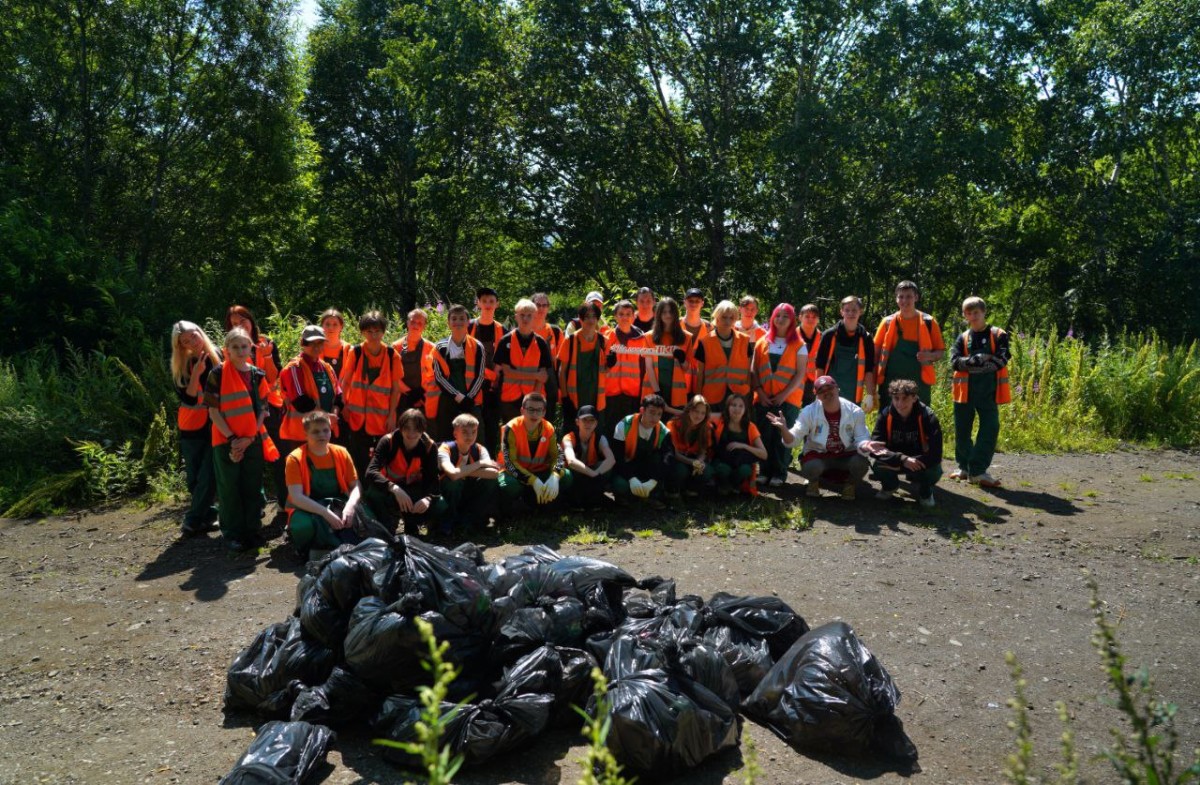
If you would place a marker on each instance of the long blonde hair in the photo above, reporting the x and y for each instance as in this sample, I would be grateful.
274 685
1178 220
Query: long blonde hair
180 357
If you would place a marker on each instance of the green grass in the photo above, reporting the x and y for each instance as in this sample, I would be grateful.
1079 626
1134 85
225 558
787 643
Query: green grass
1090 494
1146 478
1178 476
586 535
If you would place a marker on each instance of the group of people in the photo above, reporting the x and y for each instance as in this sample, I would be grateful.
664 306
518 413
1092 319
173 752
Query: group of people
658 405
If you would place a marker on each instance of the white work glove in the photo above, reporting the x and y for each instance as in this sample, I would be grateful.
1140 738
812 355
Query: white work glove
648 486
868 402
551 486
635 485
539 490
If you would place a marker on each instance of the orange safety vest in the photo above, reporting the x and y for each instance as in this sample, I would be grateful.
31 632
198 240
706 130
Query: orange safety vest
920 429
631 435
678 430
751 486
592 459
675 390
342 466
263 358
433 392
535 462
193 416
725 376
292 427
400 470
367 403
625 378
490 374
814 346
773 382
891 333
861 371
959 386
571 389
553 336
425 348
700 333
522 380
237 408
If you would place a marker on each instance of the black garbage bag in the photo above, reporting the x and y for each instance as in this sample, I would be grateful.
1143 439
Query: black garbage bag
560 671
342 581
282 753
343 700
478 731
448 583
769 618
537 581
267 675
828 693
663 622
383 647
556 621
469 550
702 663
748 656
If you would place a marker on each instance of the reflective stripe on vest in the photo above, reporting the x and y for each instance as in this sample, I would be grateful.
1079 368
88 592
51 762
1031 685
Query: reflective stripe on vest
535 462
677 394
775 381
236 406
625 378
522 379
292 427
433 392
959 387
729 374
368 403
264 359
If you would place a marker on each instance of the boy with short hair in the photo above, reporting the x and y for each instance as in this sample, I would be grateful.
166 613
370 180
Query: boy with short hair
372 378
524 360
488 332
320 477
908 343
693 322
747 315
847 353
458 375
530 459
810 333
590 459
582 375
907 438
623 382
470 478
643 449
979 359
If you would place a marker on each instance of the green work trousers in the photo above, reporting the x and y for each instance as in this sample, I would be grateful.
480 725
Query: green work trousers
975 456
925 479
239 491
512 489
779 457
201 481
469 501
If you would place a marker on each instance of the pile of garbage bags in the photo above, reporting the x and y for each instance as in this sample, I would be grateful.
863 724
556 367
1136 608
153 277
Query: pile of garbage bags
525 634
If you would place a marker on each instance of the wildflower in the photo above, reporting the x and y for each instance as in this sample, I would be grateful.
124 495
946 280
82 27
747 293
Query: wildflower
1071 332
441 307
1037 388
1019 390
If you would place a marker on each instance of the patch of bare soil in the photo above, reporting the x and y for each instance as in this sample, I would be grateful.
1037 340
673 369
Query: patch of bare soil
117 633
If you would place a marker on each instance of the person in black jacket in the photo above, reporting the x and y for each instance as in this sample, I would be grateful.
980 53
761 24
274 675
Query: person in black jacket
908 439
402 481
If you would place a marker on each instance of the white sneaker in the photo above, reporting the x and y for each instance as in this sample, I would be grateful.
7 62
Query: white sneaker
884 495
984 480
777 482
958 474
928 501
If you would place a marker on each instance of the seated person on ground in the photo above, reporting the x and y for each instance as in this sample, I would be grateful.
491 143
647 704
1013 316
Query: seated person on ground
907 438
834 431
531 463
738 448
644 455
469 477
589 458
693 435
320 476
402 477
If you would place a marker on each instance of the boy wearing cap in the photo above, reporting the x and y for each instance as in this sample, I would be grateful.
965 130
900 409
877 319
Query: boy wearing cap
642 445
307 384
907 438
470 478
834 433
488 332
980 361
693 322
590 459
908 343
531 463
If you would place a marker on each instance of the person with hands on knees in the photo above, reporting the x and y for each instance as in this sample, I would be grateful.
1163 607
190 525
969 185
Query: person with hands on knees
693 436
320 478
531 463
236 394
980 385
738 448
402 478
907 438
590 460
834 434
470 478
644 454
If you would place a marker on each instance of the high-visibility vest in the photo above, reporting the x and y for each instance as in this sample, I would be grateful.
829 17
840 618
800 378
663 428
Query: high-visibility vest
433 392
571 367
237 408
489 373
193 416
890 329
592 459
343 466
264 358
773 382
292 427
959 383
860 373
700 332
367 404
532 462
625 378
400 470
750 486
457 458
553 335
725 375
522 379
631 435
424 347
814 346
700 449
920 428
676 389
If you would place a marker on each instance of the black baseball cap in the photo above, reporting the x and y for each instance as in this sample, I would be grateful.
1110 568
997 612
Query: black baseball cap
694 292
586 411
483 290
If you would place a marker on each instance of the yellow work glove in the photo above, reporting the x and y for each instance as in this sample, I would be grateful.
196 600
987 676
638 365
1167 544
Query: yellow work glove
551 489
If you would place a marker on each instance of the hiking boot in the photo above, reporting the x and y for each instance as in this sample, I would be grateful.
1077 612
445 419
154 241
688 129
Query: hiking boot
814 490
777 482
884 495
927 501
984 480
849 491
958 474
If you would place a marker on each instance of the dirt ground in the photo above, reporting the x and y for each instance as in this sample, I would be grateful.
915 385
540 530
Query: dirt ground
118 633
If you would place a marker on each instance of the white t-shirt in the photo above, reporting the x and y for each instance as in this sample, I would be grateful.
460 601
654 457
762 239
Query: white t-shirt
779 346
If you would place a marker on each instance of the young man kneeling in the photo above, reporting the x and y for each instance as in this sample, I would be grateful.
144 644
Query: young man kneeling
589 459
319 479
644 448
531 463
907 438
469 477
